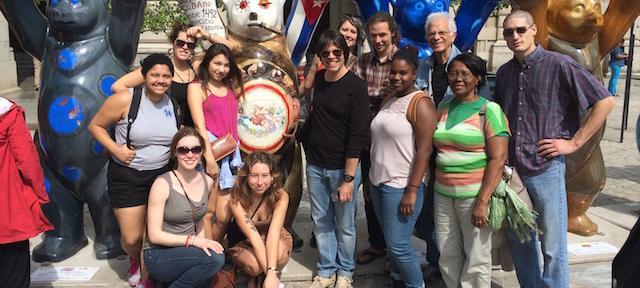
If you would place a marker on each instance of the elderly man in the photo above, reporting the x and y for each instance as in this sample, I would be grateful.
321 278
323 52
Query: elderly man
542 94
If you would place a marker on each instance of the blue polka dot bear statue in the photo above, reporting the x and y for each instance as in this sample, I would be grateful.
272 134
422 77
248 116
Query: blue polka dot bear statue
84 48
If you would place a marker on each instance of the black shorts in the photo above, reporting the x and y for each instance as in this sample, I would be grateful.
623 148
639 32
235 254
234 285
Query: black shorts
130 187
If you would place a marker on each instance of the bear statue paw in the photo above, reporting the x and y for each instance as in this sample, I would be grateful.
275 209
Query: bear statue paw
56 249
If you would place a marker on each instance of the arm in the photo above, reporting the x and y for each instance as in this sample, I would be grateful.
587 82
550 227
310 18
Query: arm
113 109
126 15
129 80
207 220
243 219
199 33
155 216
423 129
29 26
310 78
195 98
497 156
273 238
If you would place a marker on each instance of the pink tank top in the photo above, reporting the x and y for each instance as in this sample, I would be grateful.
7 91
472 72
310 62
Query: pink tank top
221 114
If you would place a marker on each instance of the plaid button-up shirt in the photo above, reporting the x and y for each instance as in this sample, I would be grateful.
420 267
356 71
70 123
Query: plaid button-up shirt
375 72
544 97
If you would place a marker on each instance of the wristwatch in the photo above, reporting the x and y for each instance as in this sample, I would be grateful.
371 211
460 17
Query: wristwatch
347 178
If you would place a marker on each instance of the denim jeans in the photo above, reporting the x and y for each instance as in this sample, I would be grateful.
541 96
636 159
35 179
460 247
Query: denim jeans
182 266
334 222
548 194
613 81
404 263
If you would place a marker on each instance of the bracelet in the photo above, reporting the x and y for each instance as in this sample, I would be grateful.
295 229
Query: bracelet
413 185
186 242
272 268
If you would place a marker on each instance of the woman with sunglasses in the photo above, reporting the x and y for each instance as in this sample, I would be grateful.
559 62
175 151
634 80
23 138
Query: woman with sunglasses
471 153
213 101
178 249
185 63
351 28
139 153
261 246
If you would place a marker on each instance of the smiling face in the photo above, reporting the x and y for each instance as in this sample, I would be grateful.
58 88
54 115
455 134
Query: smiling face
381 37
461 80
439 36
158 79
402 76
259 178
193 148
332 57
182 46
522 44
219 67
350 34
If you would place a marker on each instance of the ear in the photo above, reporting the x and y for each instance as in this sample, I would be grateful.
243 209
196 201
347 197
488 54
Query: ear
227 3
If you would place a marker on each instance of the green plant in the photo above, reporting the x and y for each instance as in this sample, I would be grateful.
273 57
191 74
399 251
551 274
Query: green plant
160 16
503 4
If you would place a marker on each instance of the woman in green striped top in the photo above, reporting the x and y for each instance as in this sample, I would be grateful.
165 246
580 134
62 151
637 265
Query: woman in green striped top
468 168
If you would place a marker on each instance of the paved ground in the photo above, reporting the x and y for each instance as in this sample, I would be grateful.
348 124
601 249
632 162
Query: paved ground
620 196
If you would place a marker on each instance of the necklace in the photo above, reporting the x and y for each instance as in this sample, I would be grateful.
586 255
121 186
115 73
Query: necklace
180 77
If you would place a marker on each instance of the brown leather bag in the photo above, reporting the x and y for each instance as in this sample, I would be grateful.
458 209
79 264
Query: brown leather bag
223 146
224 279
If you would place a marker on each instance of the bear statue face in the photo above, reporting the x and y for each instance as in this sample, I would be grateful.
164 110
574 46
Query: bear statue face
76 16
575 21
246 16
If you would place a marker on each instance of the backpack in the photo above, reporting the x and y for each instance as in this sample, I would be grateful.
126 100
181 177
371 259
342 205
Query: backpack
135 106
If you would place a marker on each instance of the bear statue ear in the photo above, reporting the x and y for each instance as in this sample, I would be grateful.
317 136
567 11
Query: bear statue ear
227 3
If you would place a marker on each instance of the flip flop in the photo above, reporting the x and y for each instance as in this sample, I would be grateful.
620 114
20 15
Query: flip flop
370 254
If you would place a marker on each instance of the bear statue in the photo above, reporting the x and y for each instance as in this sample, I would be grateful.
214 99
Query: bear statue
84 46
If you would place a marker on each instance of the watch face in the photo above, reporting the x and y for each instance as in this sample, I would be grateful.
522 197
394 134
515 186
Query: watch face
348 178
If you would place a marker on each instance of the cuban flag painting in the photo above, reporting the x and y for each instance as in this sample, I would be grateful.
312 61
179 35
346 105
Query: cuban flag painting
300 26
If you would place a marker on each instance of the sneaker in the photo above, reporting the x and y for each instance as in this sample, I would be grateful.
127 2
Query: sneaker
133 273
146 283
344 282
323 282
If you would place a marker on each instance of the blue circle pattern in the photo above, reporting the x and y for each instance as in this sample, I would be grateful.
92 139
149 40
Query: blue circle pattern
66 115
105 84
67 59
72 173
47 185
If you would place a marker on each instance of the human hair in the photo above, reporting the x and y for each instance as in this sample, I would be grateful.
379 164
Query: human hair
183 132
475 64
155 59
177 28
333 37
356 22
384 17
233 80
241 192
409 54
439 15
519 14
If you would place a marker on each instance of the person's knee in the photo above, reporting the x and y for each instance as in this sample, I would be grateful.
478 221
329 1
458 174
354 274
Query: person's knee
131 240
214 262
252 269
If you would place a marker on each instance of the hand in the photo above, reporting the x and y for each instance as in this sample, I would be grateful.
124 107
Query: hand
124 154
271 281
316 62
408 201
197 32
345 192
480 214
207 244
549 148
212 169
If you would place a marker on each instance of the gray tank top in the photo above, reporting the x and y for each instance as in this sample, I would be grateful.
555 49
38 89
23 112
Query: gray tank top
151 133
177 217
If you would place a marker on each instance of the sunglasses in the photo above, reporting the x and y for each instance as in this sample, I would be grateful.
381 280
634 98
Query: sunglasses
336 53
190 45
508 32
182 150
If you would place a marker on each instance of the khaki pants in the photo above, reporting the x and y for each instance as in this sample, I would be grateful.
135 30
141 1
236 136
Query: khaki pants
465 250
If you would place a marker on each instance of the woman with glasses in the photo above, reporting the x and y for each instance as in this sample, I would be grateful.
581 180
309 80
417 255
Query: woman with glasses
139 153
178 249
261 246
185 63
400 150
471 153
333 137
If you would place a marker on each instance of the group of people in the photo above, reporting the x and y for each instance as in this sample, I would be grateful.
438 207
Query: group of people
427 148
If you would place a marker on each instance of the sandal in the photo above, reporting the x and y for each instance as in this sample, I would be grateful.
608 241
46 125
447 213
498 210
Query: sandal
369 255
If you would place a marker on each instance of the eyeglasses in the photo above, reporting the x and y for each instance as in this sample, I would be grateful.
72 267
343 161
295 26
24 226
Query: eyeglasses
190 45
182 150
336 53
465 75
508 32
440 33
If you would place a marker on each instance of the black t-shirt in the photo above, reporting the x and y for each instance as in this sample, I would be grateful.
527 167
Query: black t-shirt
438 82
338 121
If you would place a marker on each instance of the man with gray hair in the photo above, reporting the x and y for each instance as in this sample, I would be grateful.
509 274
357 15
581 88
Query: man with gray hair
440 29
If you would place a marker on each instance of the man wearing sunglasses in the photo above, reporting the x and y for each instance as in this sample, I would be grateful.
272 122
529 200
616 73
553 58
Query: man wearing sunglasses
542 94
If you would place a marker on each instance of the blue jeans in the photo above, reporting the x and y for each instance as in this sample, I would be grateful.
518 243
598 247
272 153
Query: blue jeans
398 231
334 222
613 81
182 266
548 194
